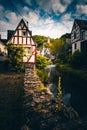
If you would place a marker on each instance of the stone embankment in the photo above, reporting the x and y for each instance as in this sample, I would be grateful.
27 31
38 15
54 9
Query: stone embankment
42 111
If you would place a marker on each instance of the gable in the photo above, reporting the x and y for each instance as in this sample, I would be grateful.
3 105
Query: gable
79 34
81 23
75 26
22 35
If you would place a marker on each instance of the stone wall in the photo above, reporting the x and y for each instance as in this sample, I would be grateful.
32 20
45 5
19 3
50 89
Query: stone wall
42 111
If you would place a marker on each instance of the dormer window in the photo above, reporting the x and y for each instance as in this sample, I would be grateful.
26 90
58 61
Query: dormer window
24 33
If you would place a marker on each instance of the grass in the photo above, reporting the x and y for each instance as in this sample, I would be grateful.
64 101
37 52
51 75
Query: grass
11 91
41 88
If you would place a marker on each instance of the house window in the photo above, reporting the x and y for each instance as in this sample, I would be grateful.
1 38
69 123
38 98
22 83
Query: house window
74 35
28 50
24 33
75 46
83 35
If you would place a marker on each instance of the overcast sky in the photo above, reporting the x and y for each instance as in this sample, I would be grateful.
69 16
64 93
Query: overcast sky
46 17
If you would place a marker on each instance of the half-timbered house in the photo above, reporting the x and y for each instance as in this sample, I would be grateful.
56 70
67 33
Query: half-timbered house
23 36
79 36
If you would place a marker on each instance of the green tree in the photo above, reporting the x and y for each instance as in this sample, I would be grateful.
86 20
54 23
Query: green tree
59 50
41 63
43 75
67 35
15 56
39 40
78 60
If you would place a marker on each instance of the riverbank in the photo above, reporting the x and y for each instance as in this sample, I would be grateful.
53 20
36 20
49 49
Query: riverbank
43 111
74 81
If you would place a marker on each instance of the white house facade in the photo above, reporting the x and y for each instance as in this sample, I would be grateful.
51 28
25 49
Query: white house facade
79 35
22 36
3 51
2 48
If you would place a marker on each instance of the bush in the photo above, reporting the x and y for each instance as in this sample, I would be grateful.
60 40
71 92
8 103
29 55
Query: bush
15 56
41 62
78 60
43 76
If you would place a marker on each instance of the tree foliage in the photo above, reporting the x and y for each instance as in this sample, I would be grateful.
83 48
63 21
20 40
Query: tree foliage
59 50
67 35
41 62
39 40
78 60
43 75
15 55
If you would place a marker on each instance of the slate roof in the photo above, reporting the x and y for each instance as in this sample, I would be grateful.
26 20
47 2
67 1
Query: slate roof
81 23
3 41
10 33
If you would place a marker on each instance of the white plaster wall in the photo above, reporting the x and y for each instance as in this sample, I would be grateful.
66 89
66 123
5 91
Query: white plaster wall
73 48
3 48
20 40
11 41
20 33
15 33
25 59
28 35
24 40
32 42
28 40
78 46
32 59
